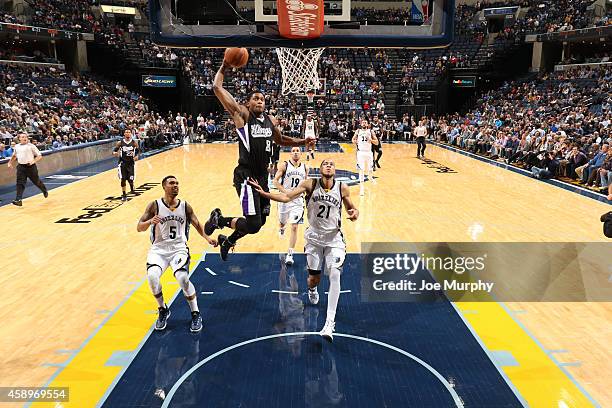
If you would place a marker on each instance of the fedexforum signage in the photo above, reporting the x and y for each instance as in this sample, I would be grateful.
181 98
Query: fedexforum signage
109 204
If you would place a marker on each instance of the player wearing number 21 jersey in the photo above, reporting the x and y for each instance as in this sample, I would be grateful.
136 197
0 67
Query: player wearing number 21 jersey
169 219
324 240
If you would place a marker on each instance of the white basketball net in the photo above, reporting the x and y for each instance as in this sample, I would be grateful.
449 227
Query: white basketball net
299 69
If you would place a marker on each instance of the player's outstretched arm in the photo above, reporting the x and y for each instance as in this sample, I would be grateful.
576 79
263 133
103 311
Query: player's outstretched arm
238 112
282 168
352 211
283 140
304 187
198 226
149 218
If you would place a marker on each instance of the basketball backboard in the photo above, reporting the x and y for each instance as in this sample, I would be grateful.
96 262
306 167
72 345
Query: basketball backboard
231 23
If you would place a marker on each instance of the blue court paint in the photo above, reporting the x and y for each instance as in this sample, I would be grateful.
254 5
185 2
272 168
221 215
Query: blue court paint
119 359
294 369
504 358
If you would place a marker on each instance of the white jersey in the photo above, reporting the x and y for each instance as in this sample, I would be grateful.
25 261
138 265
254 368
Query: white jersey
364 140
309 129
173 230
324 216
292 178
421 131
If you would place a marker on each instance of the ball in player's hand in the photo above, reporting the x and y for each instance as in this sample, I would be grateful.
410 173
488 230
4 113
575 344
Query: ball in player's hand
236 57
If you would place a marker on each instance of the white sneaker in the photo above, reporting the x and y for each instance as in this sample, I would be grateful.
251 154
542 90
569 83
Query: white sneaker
313 296
328 330
289 259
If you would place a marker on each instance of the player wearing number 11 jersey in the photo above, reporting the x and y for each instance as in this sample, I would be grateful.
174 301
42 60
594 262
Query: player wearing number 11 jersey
324 240
256 132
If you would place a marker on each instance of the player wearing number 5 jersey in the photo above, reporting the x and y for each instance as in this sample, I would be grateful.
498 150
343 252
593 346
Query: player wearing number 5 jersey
324 241
289 175
169 219
256 132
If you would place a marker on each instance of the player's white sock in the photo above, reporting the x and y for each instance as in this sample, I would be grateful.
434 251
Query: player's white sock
188 289
334 294
192 299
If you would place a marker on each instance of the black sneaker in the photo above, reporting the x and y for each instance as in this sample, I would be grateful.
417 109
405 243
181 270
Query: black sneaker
124 197
196 322
45 193
224 246
18 203
213 221
162 318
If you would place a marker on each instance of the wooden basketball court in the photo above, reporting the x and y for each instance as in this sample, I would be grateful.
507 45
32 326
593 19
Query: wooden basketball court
65 284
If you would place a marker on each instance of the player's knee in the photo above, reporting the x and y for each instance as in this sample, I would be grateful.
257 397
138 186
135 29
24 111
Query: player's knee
154 273
334 274
182 278
294 227
253 224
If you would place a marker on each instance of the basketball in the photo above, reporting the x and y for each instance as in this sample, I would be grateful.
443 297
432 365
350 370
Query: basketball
236 57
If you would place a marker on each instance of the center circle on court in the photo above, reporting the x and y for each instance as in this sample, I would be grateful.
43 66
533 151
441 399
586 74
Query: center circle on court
301 369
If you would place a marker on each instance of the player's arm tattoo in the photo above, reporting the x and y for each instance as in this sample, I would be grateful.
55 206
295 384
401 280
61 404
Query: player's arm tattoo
351 210
145 221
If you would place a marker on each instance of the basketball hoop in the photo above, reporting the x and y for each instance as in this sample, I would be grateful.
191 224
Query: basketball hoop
310 96
299 69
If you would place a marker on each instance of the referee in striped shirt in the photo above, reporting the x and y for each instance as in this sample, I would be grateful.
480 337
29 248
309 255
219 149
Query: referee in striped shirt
26 155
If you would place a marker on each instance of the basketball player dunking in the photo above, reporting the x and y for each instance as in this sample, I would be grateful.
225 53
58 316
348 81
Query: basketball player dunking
289 175
256 132
324 239
310 131
169 219
364 138
127 152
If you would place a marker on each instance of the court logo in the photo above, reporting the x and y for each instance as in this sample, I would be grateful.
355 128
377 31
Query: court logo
347 177
109 204
440 168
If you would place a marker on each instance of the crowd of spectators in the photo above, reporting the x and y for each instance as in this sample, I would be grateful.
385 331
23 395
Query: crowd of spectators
558 125
60 110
